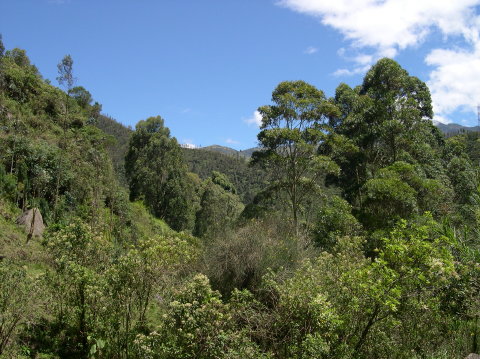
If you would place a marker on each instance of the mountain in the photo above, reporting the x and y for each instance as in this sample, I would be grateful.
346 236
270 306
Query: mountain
122 134
454 128
230 151
449 129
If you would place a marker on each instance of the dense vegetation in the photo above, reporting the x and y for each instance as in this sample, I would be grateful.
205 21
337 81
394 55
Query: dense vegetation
248 180
352 232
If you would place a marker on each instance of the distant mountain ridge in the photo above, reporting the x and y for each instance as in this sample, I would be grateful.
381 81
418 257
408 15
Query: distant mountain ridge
454 128
122 134
230 151
448 129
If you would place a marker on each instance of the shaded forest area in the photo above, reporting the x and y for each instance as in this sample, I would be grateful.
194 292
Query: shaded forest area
353 232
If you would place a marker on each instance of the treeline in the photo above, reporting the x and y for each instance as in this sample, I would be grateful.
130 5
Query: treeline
352 233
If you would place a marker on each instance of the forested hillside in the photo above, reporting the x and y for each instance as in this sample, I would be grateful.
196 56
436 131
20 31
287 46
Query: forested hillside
230 151
248 180
118 147
351 233
201 161
452 129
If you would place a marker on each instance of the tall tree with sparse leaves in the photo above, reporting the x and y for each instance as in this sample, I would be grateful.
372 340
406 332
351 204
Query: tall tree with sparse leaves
290 133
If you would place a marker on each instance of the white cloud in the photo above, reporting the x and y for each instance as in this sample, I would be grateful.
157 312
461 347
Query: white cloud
455 81
355 71
231 142
440 119
389 24
187 143
256 119
310 50
383 28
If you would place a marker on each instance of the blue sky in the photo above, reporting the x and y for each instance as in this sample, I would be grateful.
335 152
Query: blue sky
206 66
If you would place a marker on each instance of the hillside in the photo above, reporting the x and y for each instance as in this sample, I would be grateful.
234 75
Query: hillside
119 147
53 157
202 161
247 180
455 128
230 151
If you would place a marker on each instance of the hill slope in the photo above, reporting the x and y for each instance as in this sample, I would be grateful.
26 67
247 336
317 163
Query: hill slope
455 128
247 180
230 151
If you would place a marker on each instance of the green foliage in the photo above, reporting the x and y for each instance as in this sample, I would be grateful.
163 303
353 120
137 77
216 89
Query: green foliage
65 73
388 199
197 324
463 178
334 220
18 78
118 148
384 121
82 96
111 280
248 180
219 207
2 47
8 184
346 302
221 180
155 170
133 282
290 133
305 322
17 306
241 258
78 258
103 297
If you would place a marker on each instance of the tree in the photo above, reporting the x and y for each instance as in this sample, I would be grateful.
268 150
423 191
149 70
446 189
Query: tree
156 172
385 120
2 46
290 133
65 78
132 283
220 207
334 220
78 259
344 305
65 73
19 79
81 95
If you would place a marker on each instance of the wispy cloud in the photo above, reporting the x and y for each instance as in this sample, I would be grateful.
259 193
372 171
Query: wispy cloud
350 72
255 120
310 50
186 110
231 141
374 29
